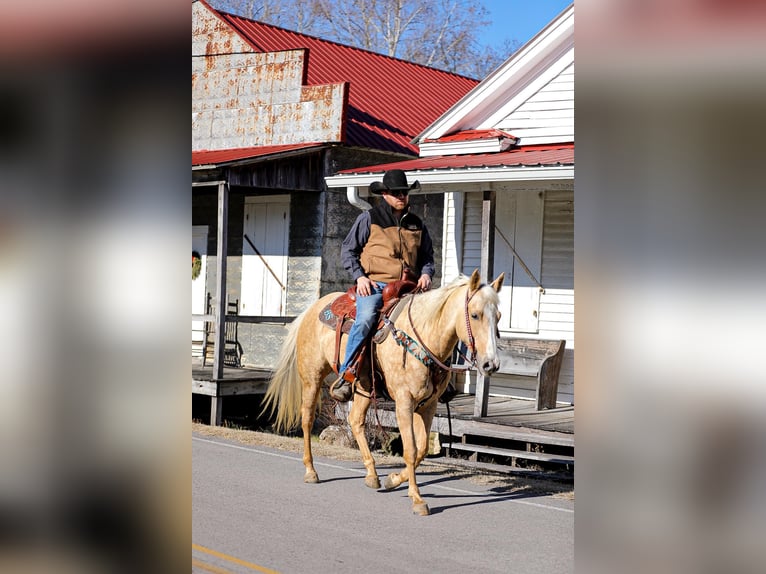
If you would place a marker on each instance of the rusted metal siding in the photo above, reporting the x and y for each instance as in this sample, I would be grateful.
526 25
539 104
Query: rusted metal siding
390 100
243 98
211 35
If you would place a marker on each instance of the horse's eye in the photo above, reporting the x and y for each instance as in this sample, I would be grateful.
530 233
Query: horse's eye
474 315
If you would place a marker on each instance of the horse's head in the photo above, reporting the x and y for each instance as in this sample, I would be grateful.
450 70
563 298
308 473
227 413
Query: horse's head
479 331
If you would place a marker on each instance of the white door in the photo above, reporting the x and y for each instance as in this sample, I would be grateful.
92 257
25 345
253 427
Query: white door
519 223
199 244
264 255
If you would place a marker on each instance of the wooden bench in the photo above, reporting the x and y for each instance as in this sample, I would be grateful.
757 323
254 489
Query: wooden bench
539 358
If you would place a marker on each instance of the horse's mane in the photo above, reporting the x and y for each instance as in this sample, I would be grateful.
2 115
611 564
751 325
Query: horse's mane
431 303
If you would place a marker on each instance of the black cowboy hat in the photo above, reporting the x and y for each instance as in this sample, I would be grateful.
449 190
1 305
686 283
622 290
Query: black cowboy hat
393 180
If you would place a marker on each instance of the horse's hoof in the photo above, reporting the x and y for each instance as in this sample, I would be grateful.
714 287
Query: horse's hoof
372 482
389 483
421 509
311 478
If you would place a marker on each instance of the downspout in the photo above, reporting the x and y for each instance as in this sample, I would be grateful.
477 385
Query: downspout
352 193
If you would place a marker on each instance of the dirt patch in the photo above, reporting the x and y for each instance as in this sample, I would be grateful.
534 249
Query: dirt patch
500 482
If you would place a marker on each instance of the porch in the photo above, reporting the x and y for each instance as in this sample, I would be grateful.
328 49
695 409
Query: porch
236 381
512 431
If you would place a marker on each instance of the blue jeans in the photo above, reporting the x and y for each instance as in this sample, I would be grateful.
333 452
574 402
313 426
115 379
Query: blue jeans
366 318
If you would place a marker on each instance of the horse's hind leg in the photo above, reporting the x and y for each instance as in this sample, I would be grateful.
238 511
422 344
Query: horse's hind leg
421 422
356 419
308 414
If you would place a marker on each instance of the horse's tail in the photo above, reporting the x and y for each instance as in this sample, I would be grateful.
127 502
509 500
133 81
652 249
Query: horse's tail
284 392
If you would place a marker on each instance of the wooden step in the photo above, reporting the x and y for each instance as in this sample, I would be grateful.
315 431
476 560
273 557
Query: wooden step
539 456
521 434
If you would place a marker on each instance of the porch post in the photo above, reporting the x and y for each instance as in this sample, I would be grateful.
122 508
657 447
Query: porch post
486 271
220 304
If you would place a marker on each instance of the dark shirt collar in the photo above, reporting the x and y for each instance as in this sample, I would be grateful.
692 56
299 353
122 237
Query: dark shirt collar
389 211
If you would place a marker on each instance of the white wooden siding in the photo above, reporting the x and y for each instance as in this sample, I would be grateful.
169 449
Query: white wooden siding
556 307
472 233
557 303
452 240
547 116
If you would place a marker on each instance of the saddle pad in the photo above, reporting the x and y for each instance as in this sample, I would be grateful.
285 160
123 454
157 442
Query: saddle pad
330 319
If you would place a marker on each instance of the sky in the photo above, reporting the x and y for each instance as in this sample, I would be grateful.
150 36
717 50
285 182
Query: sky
519 20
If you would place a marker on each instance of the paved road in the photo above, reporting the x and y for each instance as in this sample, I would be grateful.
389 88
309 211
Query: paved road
253 513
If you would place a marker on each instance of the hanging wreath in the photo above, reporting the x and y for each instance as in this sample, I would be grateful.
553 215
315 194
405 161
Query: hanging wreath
196 264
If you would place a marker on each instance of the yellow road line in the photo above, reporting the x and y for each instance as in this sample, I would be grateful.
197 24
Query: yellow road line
209 567
232 559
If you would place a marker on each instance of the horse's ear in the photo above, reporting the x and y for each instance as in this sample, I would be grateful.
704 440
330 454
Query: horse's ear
497 283
475 281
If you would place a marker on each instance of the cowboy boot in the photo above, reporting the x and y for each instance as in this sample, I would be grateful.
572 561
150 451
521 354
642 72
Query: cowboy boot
343 387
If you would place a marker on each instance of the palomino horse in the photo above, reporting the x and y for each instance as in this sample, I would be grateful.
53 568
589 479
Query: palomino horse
434 321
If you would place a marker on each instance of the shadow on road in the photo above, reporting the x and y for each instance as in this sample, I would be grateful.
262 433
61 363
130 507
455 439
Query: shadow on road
517 489
339 478
483 499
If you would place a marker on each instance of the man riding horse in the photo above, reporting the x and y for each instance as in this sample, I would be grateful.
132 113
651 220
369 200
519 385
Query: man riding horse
385 244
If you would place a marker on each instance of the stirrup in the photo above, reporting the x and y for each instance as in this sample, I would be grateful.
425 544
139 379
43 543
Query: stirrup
343 387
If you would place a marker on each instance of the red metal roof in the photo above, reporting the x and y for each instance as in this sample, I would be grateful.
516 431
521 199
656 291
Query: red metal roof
390 102
524 156
208 157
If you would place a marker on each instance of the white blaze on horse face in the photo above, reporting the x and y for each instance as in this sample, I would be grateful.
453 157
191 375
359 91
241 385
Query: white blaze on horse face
489 362
492 361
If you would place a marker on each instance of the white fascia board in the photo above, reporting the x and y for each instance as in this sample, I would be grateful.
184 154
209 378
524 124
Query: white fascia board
489 145
475 175
490 92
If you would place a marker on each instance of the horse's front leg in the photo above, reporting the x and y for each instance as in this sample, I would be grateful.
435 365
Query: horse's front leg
356 419
421 424
404 416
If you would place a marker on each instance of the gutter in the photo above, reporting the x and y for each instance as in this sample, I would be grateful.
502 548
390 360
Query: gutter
352 194
477 174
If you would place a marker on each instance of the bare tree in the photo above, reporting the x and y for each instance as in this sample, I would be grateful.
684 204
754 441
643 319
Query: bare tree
297 15
439 33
